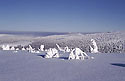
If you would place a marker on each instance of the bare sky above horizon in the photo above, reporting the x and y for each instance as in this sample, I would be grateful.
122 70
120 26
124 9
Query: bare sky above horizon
62 15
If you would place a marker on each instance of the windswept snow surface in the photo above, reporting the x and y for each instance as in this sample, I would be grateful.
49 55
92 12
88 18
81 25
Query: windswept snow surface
24 66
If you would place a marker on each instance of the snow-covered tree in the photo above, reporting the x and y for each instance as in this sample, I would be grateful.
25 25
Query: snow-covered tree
93 48
41 47
77 53
12 48
52 53
5 47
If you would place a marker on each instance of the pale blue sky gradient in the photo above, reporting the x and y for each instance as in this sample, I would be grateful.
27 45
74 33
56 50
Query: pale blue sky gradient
62 15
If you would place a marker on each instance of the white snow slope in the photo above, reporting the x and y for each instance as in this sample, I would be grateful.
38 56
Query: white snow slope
24 66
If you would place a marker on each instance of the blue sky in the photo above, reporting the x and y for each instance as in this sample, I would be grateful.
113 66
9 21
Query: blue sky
62 15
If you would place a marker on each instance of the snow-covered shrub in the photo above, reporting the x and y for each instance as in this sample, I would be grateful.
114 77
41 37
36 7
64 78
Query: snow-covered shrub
93 48
77 53
52 53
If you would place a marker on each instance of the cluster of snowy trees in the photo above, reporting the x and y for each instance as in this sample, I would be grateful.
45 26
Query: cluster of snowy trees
75 53
110 42
28 48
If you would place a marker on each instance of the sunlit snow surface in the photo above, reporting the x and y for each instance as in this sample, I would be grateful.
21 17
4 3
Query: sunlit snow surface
24 66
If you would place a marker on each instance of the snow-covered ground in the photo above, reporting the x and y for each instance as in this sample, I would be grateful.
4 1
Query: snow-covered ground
24 66
108 64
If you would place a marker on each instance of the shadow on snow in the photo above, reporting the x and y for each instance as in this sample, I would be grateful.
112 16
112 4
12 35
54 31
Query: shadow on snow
64 58
118 64
41 56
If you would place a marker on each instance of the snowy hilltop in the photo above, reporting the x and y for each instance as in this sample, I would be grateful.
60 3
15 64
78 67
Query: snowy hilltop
106 42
